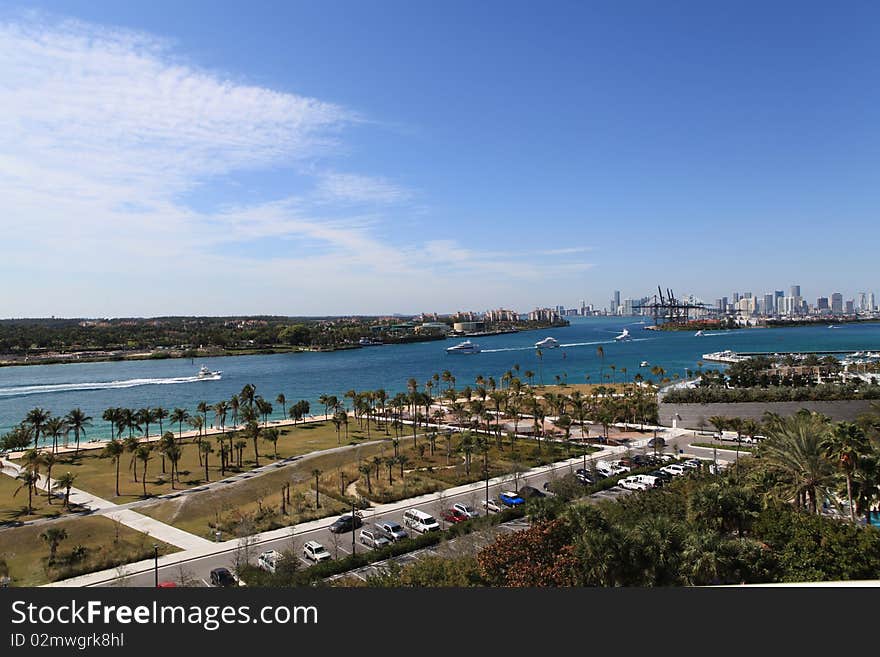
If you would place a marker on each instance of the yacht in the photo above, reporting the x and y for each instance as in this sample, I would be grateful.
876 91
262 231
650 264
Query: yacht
547 343
369 342
466 347
205 373
644 363
699 334
623 336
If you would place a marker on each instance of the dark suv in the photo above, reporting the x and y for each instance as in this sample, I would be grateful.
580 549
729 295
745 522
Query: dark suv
222 577
346 523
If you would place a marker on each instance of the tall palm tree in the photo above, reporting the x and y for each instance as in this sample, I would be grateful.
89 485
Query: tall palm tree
111 415
114 449
65 483
49 460
36 418
846 445
316 473
29 479
197 423
221 409
144 454
271 435
160 414
240 444
206 448
248 394
795 449
174 452
131 445
253 431
128 418
78 421
54 427
281 399
144 417
234 404
467 447
179 415
366 469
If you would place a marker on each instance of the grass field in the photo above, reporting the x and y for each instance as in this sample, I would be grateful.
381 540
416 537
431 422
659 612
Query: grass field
97 475
255 504
92 544
13 507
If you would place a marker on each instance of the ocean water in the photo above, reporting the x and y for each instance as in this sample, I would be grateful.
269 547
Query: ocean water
173 383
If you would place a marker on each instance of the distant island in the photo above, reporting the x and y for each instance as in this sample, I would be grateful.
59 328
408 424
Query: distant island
50 341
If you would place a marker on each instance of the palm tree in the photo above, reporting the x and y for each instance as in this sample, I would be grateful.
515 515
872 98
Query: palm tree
467 447
240 444
389 463
28 479
719 422
78 421
846 445
144 454
234 404
337 423
271 435
253 431
247 395
111 415
48 459
281 399
160 414
131 444
54 427
53 537
174 452
795 450
179 415
316 473
206 448
36 418
196 422
65 483
144 417
165 442
114 449
128 420
366 469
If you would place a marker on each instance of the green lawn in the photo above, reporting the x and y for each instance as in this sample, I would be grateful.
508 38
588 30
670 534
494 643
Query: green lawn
105 544
97 475
13 506
255 504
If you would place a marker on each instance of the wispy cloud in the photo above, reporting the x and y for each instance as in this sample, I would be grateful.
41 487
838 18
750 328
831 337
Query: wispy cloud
103 132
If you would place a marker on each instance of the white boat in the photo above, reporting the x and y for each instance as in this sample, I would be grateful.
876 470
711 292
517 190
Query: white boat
369 342
623 336
466 347
644 363
547 343
205 373
699 334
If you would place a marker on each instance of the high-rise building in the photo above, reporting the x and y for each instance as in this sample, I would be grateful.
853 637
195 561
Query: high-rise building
871 306
769 305
863 301
795 291
850 306
822 304
735 298
837 303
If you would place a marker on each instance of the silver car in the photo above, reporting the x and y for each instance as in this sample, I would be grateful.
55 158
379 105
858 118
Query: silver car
373 538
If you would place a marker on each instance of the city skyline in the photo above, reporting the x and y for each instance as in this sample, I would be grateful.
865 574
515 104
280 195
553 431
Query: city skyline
304 161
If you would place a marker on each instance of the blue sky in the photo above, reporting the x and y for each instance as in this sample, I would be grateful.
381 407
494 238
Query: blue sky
332 158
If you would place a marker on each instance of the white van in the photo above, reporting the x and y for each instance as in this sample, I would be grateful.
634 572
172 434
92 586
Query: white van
650 480
420 522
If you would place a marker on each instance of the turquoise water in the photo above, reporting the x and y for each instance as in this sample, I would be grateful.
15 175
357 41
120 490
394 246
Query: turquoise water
170 383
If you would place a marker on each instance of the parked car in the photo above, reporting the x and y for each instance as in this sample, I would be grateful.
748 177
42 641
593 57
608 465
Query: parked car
510 498
650 480
675 469
420 522
453 516
346 523
632 483
665 476
491 506
657 442
316 552
166 585
466 509
527 492
691 465
373 538
269 561
223 577
584 476
391 530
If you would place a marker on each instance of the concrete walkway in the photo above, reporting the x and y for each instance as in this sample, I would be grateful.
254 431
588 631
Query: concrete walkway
129 518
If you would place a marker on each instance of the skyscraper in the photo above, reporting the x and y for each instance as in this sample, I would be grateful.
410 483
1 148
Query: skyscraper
871 305
863 301
795 291
769 304
837 303
822 303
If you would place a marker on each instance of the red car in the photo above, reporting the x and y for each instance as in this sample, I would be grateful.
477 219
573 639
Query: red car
453 515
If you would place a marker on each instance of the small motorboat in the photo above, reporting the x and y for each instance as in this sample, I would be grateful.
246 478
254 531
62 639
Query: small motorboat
699 334
644 363
623 336
205 373
547 343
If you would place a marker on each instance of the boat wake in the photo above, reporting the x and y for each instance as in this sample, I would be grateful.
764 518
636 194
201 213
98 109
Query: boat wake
569 344
20 391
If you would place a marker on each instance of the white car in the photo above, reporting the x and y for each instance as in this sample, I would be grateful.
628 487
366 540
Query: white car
316 552
632 483
674 469
491 506
466 510
269 561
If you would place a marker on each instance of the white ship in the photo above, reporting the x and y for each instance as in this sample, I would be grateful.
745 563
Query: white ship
623 336
699 334
547 343
205 373
466 347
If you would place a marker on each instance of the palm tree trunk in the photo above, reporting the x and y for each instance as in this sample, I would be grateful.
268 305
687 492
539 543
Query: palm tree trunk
852 509
117 477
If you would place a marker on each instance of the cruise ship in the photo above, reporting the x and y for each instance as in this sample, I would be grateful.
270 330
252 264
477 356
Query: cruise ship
547 343
466 347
